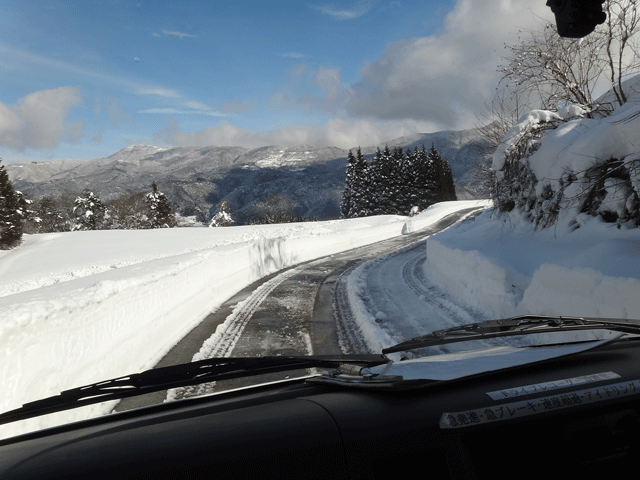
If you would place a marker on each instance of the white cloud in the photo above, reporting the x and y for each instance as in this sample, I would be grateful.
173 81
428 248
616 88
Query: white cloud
305 82
334 93
357 10
336 132
196 105
178 111
169 33
448 76
38 120
445 79
159 91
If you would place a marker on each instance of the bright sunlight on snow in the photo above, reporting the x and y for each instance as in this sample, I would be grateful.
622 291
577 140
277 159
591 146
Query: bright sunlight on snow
81 307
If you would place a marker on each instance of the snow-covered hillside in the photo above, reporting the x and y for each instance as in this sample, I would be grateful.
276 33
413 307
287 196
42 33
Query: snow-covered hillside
197 179
560 168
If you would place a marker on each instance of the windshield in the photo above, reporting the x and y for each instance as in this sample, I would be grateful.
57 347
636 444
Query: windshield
188 180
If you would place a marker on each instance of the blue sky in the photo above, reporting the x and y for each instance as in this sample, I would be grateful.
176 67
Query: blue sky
83 79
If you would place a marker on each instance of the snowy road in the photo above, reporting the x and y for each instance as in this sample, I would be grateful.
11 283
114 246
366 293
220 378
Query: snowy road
306 310
390 298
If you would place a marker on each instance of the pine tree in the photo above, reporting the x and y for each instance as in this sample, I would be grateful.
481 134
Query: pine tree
49 217
374 183
449 186
381 174
437 174
408 176
223 218
361 200
346 205
89 211
425 182
159 209
27 213
396 189
10 213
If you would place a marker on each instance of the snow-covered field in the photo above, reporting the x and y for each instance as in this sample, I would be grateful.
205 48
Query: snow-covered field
81 307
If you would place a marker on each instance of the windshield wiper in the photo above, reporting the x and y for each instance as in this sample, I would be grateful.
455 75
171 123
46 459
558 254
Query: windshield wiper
194 373
520 325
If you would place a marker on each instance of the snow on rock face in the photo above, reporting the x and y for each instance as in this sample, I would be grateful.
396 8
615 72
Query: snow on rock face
572 162
515 134
580 144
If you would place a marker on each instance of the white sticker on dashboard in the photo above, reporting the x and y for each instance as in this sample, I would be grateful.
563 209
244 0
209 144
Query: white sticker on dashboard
545 387
534 406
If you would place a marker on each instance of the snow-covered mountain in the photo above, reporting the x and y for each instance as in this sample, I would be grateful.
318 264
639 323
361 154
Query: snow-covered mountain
197 179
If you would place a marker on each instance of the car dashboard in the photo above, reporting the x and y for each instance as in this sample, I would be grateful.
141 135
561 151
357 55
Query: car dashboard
576 415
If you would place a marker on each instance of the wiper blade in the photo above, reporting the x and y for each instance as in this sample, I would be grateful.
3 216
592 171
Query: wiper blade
520 325
194 373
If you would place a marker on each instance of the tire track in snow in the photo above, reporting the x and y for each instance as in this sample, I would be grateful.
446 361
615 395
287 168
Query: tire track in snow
349 334
222 342
371 304
394 299
413 275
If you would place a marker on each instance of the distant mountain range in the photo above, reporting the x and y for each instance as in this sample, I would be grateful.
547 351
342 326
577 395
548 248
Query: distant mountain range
197 179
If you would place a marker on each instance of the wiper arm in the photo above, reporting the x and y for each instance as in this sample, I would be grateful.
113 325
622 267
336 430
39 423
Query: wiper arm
520 325
183 375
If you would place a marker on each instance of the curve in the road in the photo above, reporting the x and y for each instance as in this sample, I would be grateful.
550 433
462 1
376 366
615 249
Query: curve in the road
259 313
395 301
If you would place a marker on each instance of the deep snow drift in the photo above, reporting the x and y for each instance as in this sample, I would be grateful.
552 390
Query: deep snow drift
505 268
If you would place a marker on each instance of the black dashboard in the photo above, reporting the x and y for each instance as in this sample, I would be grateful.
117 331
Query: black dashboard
575 416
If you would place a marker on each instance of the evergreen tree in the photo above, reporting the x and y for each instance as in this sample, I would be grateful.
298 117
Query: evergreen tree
426 184
10 212
361 201
442 176
27 213
159 209
50 219
89 211
394 183
223 218
374 183
382 182
437 174
397 188
449 186
346 205
408 176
